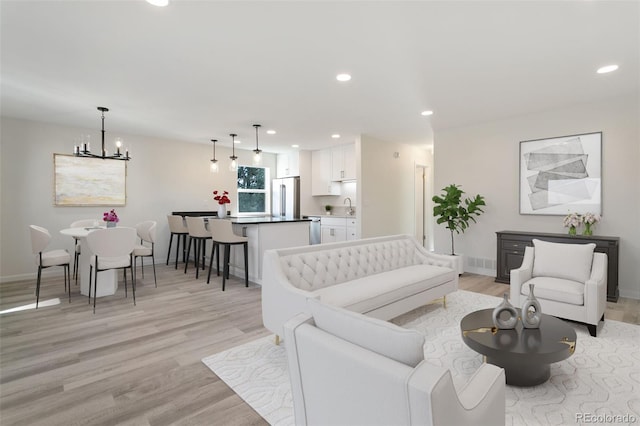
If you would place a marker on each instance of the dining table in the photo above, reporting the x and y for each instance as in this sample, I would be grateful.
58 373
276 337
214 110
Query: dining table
107 280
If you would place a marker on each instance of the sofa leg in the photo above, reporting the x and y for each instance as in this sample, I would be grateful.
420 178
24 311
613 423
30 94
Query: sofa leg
277 340
593 329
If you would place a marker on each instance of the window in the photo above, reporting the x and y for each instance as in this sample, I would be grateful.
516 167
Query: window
253 185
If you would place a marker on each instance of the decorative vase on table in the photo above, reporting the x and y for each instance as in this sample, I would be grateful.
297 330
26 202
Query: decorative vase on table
587 229
111 224
572 230
505 316
222 211
531 310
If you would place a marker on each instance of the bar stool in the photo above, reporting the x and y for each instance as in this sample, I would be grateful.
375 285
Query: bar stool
177 227
198 235
222 234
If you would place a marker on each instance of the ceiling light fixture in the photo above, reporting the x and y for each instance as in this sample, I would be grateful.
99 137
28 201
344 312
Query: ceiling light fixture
343 77
606 69
257 158
295 145
159 3
84 149
426 113
234 160
335 136
214 162
271 132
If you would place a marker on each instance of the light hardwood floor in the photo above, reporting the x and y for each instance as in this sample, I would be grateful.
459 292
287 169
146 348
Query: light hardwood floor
63 365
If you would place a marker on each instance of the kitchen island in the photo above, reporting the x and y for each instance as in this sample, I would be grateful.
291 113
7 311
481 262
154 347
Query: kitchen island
265 233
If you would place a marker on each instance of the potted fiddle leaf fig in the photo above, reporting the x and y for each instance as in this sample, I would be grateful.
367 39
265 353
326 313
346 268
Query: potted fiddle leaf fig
456 213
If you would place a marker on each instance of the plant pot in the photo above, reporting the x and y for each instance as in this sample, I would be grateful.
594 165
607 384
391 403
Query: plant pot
111 224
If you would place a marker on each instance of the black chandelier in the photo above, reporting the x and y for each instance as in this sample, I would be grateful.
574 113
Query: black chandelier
84 150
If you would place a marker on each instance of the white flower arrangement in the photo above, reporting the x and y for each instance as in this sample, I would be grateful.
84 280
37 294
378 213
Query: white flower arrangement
590 218
572 220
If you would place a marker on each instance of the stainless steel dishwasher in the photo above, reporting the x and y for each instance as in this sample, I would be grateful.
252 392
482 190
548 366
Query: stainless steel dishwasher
314 230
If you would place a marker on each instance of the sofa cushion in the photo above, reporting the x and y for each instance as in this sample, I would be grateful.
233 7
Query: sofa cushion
371 292
312 270
568 261
384 338
556 289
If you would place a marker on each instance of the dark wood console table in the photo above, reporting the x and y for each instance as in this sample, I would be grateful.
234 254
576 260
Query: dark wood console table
511 246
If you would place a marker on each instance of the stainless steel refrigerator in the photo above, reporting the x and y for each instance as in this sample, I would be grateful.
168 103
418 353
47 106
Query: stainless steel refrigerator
285 197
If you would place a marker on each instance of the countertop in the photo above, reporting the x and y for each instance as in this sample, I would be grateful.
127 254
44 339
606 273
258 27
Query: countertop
340 216
244 220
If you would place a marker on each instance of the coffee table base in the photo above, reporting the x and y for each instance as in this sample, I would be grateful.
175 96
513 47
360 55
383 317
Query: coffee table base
521 375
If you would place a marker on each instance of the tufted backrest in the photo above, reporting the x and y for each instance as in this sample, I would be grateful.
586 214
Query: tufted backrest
311 270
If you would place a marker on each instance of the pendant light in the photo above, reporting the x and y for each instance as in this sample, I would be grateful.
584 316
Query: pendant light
234 160
257 158
214 162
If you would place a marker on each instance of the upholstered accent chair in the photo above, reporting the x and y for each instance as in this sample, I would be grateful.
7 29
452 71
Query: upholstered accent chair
350 369
570 281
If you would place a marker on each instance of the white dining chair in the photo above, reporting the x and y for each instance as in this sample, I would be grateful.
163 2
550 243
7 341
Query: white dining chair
222 234
82 223
40 238
198 236
147 233
179 229
113 249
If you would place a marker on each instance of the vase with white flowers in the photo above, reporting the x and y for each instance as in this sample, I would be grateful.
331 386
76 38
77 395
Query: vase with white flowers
223 200
589 220
573 222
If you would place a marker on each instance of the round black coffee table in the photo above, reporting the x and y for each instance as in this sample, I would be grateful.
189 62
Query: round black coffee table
525 354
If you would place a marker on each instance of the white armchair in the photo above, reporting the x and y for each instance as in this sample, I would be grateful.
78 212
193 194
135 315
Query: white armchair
347 368
570 281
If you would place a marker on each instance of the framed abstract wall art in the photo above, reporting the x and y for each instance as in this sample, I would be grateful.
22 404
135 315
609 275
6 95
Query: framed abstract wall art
561 175
81 181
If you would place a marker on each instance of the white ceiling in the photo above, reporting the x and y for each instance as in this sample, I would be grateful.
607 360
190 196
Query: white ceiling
198 70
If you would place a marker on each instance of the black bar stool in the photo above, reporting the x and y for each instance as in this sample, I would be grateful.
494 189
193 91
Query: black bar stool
222 234
177 227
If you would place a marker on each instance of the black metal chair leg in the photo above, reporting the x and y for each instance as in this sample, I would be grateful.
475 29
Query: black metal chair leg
68 276
38 285
178 249
246 264
186 263
90 274
197 256
213 250
225 271
95 286
133 286
169 251
204 253
153 259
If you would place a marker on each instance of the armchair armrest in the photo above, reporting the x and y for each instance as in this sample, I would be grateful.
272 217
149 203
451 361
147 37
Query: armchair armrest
521 275
595 289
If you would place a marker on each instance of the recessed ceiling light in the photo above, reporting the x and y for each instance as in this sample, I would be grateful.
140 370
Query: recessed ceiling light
237 141
606 69
271 132
335 136
343 77
159 3
295 145
426 113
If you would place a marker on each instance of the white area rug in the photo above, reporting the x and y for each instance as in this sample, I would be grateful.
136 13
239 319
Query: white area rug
601 379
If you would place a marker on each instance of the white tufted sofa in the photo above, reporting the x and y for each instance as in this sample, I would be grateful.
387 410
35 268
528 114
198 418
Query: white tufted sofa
381 277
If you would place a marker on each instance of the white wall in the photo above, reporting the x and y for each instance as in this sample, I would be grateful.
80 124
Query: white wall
484 159
163 176
386 186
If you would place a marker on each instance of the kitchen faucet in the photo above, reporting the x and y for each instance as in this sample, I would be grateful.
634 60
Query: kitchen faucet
350 210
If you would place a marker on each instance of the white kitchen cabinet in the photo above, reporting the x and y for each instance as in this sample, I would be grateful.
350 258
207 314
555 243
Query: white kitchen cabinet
352 229
288 164
333 234
321 183
334 229
343 162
